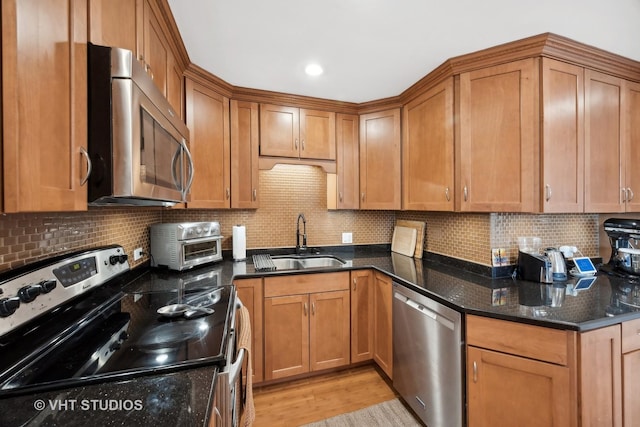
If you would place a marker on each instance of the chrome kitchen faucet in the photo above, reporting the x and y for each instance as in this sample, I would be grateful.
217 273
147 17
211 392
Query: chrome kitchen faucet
302 248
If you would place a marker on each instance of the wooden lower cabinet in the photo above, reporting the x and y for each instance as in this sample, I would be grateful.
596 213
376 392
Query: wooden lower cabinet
307 320
515 391
361 315
382 322
251 294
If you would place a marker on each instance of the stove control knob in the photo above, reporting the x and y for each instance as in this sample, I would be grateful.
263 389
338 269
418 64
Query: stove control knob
29 293
8 306
113 259
47 286
199 230
123 258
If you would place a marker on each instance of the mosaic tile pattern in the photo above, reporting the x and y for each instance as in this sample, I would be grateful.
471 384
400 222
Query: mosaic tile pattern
285 191
28 237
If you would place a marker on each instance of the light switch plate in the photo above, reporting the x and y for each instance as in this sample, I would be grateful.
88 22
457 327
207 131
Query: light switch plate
347 237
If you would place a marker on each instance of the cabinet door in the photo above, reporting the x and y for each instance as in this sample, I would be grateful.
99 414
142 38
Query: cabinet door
244 155
506 390
317 135
116 23
279 131
286 336
251 294
631 391
362 289
562 137
347 161
380 160
208 122
329 330
175 84
498 138
155 48
382 323
427 150
44 105
631 143
600 377
602 164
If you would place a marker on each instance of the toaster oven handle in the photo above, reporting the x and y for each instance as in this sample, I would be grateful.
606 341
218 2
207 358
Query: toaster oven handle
190 180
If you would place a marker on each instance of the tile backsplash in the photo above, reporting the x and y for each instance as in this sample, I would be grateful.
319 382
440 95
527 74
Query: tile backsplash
285 191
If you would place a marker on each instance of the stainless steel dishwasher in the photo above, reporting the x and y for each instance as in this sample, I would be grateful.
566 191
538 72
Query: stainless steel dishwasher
427 357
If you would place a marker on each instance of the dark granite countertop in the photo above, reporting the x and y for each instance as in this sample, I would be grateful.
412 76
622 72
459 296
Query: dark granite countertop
180 398
474 293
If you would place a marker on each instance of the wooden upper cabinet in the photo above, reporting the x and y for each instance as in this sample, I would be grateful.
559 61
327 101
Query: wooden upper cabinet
116 23
427 150
604 189
347 195
44 105
498 138
380 160
297 133
631 144
244 155
562 139
208 121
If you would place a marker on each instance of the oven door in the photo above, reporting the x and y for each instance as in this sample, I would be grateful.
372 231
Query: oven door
194 252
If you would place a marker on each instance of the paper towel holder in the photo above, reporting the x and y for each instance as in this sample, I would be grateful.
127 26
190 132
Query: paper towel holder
239 236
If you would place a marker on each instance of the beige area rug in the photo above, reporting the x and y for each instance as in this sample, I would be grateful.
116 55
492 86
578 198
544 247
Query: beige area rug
385 414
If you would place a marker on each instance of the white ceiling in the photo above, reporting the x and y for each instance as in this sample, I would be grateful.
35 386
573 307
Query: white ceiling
373 49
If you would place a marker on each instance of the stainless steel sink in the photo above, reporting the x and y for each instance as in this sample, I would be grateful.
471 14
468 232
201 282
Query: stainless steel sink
297 262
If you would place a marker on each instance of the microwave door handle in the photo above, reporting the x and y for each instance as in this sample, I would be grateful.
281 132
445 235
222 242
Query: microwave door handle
191 172
174 164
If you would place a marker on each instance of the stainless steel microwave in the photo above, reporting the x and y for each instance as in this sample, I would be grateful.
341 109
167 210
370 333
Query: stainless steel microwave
138 146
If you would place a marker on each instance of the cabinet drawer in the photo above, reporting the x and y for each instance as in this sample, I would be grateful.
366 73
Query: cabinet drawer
630 335
534 342
276 286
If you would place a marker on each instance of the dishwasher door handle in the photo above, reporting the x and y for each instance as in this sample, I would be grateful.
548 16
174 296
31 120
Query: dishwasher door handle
425 310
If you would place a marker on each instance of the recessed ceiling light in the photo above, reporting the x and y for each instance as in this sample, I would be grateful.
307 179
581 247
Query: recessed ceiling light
313 69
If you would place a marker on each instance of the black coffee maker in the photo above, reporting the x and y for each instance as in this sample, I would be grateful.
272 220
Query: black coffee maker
623 233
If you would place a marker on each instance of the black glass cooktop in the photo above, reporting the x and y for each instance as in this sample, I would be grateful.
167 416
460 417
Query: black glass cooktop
125 337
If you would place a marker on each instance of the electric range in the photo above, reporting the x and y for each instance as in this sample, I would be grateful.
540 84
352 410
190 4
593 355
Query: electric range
86 318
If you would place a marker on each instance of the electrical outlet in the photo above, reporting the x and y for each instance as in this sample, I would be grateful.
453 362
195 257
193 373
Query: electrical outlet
347 237
137 254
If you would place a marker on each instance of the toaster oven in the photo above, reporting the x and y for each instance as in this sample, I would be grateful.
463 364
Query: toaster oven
180 246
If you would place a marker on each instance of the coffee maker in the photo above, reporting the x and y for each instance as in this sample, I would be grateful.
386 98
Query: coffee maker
623 233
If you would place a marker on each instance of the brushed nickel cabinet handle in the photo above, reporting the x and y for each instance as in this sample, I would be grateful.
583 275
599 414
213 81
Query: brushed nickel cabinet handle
255 194
340 196
630 192
228 193
363 197
355 283
302 144
548 192
313 308
466 193
305 308
296 143
623 195
475 372
83 151
446 194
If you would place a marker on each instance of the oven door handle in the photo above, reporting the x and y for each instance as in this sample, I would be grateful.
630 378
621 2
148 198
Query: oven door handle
236 367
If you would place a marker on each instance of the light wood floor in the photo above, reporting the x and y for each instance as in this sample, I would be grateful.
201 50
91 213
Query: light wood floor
313 399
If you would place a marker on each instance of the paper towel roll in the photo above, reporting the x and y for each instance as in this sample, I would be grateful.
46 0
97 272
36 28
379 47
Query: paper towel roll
239 243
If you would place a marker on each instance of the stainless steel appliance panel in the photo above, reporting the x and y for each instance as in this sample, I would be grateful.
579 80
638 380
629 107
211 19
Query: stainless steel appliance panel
427 357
